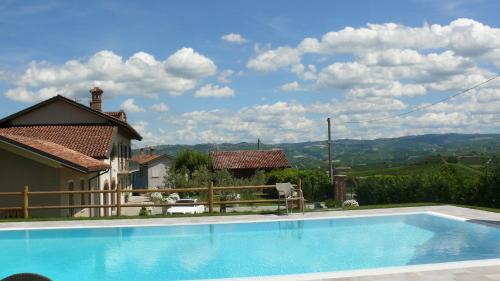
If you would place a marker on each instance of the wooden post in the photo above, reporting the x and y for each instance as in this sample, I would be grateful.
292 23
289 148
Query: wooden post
119 200
300 192
25 202
211 197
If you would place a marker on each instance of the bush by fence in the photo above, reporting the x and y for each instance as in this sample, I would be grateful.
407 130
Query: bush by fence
315 183
447 185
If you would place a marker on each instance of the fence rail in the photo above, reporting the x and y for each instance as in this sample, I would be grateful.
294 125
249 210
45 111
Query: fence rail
118 204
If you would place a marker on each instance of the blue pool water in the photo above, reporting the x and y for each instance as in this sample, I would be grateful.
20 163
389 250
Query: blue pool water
246 249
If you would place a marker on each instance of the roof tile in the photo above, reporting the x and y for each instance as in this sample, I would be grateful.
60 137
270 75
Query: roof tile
57 152
249 159
91 140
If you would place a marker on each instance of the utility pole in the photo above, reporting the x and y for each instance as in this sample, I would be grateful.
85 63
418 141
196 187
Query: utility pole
258 144
330 150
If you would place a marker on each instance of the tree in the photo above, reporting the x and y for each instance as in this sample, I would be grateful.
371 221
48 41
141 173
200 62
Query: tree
192 160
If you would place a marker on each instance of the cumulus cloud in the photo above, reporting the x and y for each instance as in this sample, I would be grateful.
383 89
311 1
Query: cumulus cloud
291 87
274 59
140 74
215 91
234 38
224 76
129 105
278 122
391 59
160 107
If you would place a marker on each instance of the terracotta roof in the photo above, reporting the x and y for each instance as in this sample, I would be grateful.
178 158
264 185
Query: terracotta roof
143 159
249 159
91 140
6 122
120 115
56 152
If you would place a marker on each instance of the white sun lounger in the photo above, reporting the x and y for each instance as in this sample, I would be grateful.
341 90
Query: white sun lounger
196 209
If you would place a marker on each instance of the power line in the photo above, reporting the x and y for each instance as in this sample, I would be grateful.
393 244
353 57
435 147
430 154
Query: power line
419 108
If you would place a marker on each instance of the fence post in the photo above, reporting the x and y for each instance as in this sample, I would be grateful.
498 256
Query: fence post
25 202
211 197
119 200
300 192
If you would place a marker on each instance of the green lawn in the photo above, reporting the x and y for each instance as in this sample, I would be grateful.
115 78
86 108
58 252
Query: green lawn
367 207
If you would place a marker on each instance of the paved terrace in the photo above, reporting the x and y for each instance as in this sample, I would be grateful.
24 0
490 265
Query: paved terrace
458 272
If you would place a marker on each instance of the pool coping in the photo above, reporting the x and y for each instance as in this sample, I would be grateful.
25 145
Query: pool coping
450 212
369 272
240 221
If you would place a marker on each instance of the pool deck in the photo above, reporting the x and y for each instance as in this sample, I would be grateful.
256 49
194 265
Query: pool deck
473 270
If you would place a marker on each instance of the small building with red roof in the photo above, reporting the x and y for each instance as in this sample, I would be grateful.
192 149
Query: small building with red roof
245 163
150 168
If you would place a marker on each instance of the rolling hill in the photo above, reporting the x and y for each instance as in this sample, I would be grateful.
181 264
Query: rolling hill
470 149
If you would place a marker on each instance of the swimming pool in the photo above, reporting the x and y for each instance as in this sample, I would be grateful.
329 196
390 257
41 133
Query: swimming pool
209 251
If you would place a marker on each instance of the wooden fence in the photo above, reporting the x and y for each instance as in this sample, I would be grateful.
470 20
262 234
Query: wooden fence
26 194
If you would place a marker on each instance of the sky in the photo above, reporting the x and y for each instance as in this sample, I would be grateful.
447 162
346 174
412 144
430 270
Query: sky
209 71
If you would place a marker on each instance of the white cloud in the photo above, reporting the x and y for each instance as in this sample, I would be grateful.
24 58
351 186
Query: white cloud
278 122
234 38
272 60
160 107
224 76
187 63
140 74
291 87
215 91
130 106
387 57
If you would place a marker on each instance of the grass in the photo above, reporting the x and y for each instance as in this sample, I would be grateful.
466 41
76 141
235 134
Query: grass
366 207
493 210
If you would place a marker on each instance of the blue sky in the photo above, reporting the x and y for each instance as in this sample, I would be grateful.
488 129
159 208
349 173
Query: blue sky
230 71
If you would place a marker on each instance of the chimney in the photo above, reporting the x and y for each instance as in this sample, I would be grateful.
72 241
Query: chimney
96 99
142 151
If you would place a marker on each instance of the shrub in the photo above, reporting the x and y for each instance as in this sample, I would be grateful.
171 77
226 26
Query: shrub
350 204
315 183
333 203
447 185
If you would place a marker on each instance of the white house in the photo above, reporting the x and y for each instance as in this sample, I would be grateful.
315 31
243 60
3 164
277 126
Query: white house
150 169
60 144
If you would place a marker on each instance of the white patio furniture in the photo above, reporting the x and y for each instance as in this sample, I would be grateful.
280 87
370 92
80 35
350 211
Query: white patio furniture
288 193
195 209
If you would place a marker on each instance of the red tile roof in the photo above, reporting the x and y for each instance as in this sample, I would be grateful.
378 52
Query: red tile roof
113 121
91 140
249 159
120 115
143 159
56 152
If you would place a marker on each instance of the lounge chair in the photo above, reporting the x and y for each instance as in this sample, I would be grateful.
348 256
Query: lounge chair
288 193
26 277
195 209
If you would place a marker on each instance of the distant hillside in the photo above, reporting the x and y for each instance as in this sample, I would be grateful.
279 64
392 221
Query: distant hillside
475 149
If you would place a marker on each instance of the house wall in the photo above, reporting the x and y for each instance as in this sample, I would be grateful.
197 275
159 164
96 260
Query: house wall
58 113
117 174
17 171
157 172
79 181
153 174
